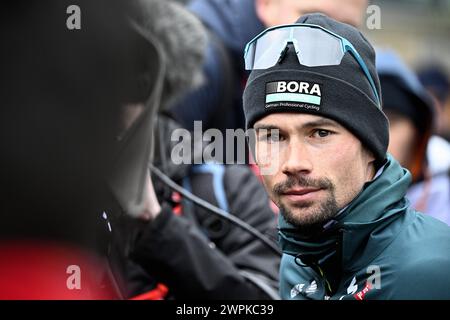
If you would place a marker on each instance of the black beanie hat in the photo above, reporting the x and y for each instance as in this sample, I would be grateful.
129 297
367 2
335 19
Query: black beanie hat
343 92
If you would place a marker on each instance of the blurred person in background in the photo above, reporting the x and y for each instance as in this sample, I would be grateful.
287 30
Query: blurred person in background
231 24
70 145
437 83
186 252
412 117
182 251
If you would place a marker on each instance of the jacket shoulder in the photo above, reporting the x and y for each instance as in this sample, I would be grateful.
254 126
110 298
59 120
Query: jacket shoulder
429 235
427 278
423 268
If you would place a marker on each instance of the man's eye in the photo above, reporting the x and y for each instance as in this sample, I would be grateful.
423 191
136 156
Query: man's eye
271 137
321 133
274 137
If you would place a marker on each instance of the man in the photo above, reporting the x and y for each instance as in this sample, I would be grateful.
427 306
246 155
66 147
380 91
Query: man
345 228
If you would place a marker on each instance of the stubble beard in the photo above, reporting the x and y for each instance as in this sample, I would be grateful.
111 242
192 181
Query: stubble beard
308 217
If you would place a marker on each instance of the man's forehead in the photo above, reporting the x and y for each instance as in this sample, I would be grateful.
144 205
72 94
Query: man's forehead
280 120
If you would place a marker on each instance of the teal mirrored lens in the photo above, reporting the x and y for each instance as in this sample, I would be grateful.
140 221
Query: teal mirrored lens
265 51
317 48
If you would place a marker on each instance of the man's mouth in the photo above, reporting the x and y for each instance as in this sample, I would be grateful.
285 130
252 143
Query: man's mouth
301 194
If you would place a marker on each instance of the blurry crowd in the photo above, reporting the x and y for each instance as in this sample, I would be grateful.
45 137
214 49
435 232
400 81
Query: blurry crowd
86 123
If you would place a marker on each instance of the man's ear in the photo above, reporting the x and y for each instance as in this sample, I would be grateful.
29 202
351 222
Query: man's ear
372 165
370 156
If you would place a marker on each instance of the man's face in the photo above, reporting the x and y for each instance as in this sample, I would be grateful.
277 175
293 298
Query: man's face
319 165
276 12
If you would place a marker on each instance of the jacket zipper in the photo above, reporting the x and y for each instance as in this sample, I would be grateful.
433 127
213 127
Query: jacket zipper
324 278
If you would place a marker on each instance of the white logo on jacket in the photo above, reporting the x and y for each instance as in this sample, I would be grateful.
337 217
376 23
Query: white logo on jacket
353 287
296 289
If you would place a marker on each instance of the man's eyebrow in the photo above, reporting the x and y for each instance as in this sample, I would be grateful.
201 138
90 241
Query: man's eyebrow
265 127
309 124
320 123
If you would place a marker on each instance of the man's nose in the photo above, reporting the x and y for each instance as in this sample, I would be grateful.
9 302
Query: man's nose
298 159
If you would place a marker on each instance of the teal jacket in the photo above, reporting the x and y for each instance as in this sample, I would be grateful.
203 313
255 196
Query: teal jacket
377 248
